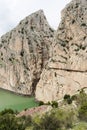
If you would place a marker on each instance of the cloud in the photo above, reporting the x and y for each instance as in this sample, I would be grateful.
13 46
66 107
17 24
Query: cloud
12 11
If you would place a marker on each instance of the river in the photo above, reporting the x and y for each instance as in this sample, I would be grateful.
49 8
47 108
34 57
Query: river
15 102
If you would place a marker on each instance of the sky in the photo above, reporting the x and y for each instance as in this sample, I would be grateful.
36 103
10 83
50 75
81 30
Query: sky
13 11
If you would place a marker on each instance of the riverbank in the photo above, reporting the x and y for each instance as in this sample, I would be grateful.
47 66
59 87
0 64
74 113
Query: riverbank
15 93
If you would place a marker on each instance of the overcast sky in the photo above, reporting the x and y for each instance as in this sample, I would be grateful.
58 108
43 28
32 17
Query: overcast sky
12 11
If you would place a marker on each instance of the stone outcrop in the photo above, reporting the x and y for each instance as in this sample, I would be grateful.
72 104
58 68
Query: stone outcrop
24 52
66 71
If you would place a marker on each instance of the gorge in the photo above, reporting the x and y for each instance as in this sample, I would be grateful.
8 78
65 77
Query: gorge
37 60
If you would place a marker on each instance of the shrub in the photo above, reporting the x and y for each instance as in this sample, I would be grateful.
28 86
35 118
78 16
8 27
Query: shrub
69 101
83 112
81 98
9 122
54 104
41 103
7 111
66 96
74 97
80 126
26 121
48 122
55 120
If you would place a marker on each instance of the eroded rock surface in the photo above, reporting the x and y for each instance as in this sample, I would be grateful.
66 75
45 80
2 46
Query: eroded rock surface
66 71
24 52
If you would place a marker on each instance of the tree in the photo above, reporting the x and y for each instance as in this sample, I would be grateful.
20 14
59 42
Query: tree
9 122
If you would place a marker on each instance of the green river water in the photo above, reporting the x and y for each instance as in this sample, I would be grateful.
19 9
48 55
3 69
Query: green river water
15 102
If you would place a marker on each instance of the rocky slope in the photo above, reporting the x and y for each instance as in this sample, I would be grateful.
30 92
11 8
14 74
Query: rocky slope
24 52
66 71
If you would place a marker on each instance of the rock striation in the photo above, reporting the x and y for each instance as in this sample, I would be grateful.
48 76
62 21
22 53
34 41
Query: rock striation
24 52
66 71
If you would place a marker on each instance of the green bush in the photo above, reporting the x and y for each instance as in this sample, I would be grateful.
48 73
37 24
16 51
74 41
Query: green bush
83 112
9 122
26 121
7 111
54 104
69 101
74 97
80 126
55 120
68 98
81 98
48 122
41 103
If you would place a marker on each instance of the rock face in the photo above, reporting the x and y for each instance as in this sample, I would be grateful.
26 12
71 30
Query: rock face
66 71
35 60
24 52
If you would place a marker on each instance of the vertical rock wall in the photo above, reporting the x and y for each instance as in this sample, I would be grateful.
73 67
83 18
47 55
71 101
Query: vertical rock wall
66 72
24 51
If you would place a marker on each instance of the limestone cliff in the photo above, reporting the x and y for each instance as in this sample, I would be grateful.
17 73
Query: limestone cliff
66 71
36 59
24 52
